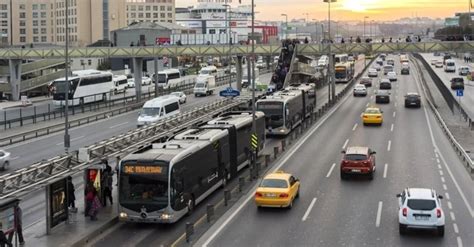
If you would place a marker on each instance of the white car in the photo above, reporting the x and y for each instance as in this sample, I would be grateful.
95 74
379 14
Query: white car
372 72
130 83
439 64
392 76
463 70
4 160
360 89
181 96
420 208
434 61
146 80
377 67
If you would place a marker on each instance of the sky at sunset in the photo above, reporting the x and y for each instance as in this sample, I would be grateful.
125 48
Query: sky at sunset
352 9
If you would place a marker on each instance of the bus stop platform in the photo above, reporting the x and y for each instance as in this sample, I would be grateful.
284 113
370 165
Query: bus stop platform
77 232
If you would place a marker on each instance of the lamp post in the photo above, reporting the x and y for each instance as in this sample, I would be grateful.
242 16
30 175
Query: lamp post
363 34
229 40
286 25
11 23
254 126
67 141
332 79
372 30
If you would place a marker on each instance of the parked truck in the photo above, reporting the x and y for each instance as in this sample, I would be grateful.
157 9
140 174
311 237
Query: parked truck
204 85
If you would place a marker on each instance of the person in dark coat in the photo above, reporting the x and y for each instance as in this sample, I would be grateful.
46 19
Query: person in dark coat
71 203
107 183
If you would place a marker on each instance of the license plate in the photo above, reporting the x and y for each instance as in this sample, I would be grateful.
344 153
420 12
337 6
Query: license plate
355 170
413 103
421 217
270 195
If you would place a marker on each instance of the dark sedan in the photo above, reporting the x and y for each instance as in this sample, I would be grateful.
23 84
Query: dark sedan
385 84
366 81
457 83
412 100
382 96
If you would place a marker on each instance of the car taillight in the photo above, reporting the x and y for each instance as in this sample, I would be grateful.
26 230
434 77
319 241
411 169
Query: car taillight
365 116
438 213
405 212
283 195
378 117
258 194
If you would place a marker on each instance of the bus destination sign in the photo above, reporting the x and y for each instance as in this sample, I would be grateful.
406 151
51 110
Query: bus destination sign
141 169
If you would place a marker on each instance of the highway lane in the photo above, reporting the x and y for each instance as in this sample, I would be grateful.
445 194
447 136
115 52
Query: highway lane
467 101
346 212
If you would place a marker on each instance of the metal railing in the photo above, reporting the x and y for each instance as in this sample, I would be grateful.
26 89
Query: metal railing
17 117
461 152
40 174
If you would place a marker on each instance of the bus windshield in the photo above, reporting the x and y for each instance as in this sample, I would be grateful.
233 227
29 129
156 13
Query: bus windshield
143 184
273 113
60 86
340 73
161 78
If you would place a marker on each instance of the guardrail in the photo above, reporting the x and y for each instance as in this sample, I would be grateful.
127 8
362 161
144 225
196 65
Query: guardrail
447 95
128 106
40 174
465 158
20 119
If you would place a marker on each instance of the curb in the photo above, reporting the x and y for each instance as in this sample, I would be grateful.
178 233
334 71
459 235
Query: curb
91 235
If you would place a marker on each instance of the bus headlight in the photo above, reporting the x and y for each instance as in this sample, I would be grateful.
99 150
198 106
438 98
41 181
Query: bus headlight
166 216
123 215
282 130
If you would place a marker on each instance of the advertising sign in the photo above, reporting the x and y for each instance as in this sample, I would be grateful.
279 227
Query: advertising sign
58 202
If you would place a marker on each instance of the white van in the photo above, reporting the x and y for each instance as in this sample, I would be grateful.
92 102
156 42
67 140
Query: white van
158 108
204 85
166 75
450 66
323 61
209 70
120 83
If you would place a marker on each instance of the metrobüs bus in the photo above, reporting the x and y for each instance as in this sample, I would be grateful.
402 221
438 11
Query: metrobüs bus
163 182
284 110
344 72
85 86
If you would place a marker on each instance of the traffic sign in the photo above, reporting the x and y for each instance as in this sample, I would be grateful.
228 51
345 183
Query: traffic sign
229 92
459 92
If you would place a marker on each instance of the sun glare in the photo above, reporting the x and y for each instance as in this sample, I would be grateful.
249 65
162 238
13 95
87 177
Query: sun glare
359 5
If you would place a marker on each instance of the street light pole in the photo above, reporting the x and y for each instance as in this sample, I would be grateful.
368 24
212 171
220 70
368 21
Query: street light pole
254 126
11 23
286 25
332 79
67 141
229 38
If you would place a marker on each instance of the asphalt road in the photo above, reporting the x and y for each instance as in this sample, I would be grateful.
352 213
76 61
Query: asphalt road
467 101
412 151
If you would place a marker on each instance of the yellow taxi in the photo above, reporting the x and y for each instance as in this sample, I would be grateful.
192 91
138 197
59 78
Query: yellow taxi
372 115
277 189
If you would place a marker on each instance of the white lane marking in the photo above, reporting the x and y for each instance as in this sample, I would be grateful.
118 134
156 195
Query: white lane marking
355 126
447 195
117 125
372 97
73 139
450 206
330 170
453 218
277 167
385 171
445 187
396 102
15 158
379 214
391 128
345 144
394 113
441 172
439 166
442 180
436 154
460 191
389 145
367 105
459 241
437 160
306 214
456 229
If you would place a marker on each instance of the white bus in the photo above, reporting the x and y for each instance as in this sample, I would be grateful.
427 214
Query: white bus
85 86
120 83
166 75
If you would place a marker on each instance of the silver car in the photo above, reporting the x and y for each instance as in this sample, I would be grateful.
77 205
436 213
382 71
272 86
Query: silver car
4 160
181 96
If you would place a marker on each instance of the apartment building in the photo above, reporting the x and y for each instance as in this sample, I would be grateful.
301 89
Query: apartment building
44 21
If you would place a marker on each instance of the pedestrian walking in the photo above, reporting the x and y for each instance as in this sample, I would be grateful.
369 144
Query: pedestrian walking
107 183
71 197
18 222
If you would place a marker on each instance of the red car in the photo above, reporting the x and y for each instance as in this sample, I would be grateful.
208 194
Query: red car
358 161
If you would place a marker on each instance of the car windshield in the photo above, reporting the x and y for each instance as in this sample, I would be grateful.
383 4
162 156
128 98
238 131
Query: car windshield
204 72
421 204
176 94
458 79
150 111
355 157
199 85
274 183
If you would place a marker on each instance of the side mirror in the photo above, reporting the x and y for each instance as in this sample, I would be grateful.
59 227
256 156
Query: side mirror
343 151
373 152
440 196
399 195
297 180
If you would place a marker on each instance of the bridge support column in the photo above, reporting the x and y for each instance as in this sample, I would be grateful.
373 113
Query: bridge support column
15 78
137 76
238 69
